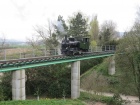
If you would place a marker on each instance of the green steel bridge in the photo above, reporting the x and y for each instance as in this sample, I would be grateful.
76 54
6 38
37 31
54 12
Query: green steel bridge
18 66
24 63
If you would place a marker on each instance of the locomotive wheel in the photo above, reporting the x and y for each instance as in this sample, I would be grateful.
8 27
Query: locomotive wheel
69 53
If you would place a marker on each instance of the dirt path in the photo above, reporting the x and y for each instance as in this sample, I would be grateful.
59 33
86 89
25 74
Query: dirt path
132 100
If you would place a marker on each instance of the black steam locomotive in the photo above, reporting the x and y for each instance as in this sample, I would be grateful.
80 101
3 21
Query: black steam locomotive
74 45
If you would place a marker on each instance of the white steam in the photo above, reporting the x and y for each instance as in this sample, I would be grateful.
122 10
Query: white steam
60 27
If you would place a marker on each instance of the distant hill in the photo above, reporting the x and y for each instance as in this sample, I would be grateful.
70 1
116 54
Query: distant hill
11 42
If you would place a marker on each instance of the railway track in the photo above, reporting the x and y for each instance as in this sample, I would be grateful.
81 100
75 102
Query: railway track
44 59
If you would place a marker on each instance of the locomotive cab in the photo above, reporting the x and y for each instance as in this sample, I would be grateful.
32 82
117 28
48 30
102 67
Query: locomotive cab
84 45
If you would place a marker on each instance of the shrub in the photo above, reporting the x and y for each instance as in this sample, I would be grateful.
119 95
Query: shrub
5 87
115 100
50 80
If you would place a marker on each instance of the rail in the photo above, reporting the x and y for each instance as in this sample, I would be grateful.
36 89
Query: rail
17 64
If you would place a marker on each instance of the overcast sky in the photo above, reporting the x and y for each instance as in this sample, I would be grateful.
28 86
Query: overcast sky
17 17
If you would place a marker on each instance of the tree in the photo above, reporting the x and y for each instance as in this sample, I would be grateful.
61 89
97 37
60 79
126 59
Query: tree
129 58
108 32
2 45
106 36
94 29
44 35
2 41
78 25
47 35
34 42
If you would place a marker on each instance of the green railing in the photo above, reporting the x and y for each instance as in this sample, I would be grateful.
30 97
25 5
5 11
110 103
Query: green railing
36 62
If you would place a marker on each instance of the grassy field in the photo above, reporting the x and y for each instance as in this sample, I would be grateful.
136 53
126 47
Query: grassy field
43 102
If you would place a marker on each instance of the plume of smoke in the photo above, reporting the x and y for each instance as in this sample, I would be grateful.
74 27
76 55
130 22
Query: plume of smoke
61 28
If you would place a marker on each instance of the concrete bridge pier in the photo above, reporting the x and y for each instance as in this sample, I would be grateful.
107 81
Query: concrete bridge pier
75 79
18 85
111 69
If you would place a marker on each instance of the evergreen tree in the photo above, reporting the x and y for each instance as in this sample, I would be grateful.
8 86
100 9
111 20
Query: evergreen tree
78 25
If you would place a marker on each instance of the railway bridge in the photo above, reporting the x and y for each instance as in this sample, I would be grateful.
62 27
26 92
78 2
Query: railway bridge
18 66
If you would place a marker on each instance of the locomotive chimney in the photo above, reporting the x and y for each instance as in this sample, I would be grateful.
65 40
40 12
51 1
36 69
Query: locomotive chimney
66 37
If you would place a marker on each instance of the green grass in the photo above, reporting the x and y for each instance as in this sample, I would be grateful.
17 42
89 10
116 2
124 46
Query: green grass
100 68
87 97
98 80
43 102
87 73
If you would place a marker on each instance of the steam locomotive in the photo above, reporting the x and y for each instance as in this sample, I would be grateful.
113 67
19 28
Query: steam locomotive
74 45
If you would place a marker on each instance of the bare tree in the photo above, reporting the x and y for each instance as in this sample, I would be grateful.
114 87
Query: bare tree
33 42
108 32
111 26
2 41
49 28
44 35
46 31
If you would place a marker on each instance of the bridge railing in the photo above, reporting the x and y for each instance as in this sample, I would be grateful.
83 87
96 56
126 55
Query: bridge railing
102 48
17 53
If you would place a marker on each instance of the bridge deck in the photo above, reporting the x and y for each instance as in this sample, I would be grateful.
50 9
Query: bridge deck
19 64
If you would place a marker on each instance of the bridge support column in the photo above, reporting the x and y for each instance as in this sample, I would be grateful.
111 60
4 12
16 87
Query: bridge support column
111 69
18 85
75 79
